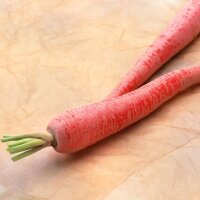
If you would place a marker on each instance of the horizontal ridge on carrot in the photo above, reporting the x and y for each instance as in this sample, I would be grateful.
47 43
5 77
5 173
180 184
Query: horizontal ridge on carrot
79 128
179 33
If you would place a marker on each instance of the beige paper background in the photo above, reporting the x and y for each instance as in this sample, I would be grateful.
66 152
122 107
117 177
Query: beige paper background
57 55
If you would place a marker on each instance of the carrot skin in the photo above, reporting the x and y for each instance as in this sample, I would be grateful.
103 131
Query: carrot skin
82 127
179 33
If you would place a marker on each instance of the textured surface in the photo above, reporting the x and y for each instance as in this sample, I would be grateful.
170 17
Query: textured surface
57 55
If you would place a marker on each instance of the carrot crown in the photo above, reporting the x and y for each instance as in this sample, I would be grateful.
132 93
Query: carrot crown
24 145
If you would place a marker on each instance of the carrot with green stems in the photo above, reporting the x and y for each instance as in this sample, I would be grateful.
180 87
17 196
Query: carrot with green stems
79 128
82 127
179 33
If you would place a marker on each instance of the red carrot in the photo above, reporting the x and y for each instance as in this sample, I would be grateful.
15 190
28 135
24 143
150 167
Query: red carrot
82 127
180 32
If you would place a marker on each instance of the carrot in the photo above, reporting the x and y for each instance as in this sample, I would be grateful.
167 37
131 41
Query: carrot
179 33
82 127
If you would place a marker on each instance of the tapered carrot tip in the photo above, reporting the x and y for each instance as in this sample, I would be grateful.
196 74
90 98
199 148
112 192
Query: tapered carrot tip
24 145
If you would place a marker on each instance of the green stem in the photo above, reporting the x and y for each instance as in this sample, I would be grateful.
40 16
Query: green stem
27 144
22 141
26 153
14 138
